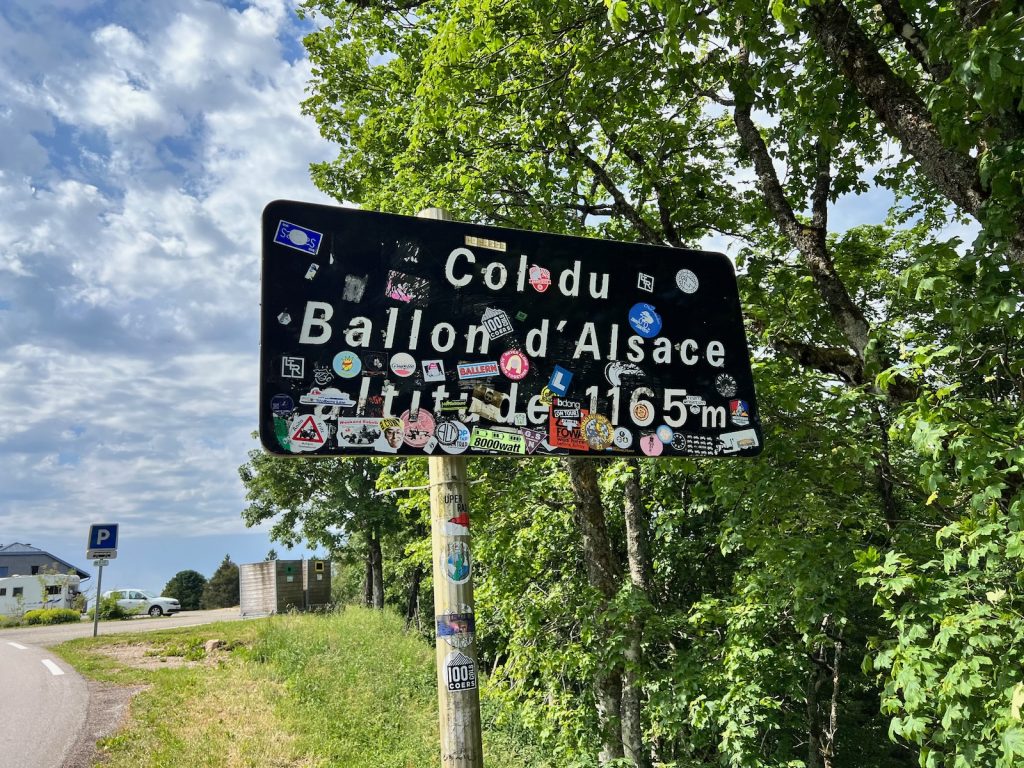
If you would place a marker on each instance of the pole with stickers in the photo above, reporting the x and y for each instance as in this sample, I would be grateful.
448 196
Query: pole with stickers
458 697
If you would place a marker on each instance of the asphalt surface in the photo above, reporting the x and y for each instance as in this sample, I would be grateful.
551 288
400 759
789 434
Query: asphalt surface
43 708
59 633
46 708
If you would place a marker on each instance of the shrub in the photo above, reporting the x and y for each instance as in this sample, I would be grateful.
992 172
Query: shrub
52 616
109 609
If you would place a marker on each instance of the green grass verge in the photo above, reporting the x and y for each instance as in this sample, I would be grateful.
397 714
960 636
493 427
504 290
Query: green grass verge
345 690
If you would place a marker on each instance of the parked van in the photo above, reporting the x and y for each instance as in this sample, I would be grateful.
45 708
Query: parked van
28 593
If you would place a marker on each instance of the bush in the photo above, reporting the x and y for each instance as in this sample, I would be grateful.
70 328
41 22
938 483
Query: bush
52 616
109 609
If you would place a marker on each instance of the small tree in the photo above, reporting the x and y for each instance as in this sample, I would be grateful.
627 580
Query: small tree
221 591
271 555
187 587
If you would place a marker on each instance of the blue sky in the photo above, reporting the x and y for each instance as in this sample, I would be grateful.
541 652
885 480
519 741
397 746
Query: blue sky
141 141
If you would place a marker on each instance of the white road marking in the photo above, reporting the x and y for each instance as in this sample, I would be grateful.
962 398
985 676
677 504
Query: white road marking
54 669
19 646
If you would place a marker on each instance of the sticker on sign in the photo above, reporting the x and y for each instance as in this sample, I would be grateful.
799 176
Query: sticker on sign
430 317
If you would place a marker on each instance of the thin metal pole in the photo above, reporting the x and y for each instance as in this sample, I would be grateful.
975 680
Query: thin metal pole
458 696
99 596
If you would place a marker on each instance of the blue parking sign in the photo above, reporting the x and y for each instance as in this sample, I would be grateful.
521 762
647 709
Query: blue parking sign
102 540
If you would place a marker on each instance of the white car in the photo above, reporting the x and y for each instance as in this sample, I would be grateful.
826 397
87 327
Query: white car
141 601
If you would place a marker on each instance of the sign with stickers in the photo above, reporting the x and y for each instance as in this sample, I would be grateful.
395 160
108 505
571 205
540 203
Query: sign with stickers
385 334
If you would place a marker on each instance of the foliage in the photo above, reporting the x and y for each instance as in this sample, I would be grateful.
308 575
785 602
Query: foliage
221 591
187 587
52 616
882 521
110 610
287 690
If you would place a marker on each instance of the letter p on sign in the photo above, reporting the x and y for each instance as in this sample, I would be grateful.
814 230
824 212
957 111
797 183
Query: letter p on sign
103 540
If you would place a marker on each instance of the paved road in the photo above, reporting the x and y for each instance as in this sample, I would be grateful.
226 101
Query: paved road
42 709
44 702
47 636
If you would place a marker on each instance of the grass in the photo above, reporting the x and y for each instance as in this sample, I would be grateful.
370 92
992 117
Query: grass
345 690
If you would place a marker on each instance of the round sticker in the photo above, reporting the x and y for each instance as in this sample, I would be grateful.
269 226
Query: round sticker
403 364
726 385
545 396
347 364
664 433
306 433
281 405
419 430
514 364
687 281
452 436
651 445
641 412
622 438
644 320
597 431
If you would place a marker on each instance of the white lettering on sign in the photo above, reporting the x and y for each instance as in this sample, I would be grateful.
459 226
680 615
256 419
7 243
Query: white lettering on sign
495 275
317 315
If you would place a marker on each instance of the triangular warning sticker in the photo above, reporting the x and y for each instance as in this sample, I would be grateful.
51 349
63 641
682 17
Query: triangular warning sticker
308 432
533 439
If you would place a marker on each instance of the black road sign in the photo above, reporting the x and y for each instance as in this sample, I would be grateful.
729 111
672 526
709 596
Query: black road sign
384 334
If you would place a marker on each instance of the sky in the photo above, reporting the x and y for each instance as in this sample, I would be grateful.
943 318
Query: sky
140 143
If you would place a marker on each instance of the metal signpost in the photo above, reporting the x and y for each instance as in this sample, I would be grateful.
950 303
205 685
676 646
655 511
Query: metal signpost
101 550
394 335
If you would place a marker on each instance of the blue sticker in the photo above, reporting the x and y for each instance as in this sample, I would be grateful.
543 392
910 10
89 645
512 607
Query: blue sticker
644 320
560 380
347 364
299 238
664 433
281 405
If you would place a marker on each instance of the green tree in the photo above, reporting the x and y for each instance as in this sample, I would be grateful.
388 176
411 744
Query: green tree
327 502
221 591
187 586
889 355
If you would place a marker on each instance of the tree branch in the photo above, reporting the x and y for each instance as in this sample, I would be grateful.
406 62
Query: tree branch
671 235
809 241
913 39
902 111
622 205
822 185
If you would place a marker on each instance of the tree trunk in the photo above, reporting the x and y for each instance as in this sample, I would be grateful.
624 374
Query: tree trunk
368 579
637 531
638 553
822 727
412 610
377 569
603 573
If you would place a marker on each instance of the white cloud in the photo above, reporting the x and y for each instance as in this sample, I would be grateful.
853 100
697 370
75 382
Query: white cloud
143 146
